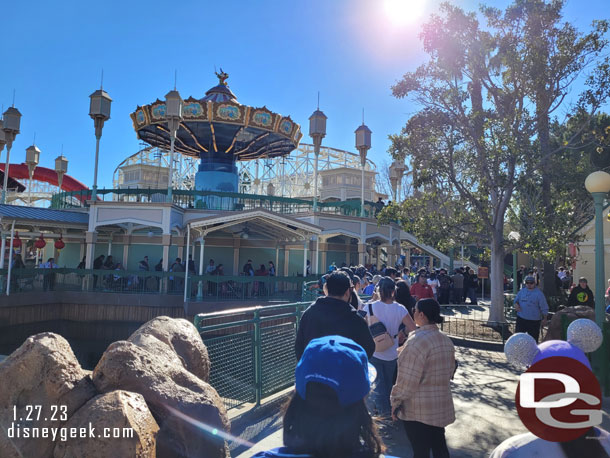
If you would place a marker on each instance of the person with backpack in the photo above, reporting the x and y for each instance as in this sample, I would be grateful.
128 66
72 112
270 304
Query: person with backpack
385 318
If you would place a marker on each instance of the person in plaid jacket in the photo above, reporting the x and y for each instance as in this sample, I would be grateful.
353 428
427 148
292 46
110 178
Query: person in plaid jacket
421 397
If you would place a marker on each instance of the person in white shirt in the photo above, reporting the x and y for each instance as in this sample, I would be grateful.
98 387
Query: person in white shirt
393 316
434 284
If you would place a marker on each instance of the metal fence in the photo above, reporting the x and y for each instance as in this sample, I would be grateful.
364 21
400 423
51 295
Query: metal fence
213 200
203 288
471 322
234 288
251 350
105 281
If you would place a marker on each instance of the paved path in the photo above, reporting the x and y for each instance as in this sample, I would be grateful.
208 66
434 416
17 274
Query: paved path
483 393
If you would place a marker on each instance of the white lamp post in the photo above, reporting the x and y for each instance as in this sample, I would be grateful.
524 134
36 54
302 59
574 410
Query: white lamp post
61 167
514 236
598 184
11 124
363 144
99 110
400 168
32 158
317 131
393 179
173 114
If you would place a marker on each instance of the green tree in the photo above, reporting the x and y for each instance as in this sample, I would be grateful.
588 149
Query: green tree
552 55
481 117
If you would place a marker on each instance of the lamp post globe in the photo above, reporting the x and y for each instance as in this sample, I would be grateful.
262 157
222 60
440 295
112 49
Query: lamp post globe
598 181
99 110
11 124
317 131
173 114
363 144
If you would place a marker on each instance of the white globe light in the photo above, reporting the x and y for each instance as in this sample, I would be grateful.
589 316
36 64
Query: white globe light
598 182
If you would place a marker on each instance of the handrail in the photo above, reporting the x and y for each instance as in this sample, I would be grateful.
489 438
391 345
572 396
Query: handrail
213 200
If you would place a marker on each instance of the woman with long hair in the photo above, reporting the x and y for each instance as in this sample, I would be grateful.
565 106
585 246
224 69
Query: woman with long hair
392 315
403 296
326 416
421 397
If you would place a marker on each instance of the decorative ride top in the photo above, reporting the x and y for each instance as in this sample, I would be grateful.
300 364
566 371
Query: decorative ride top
218 123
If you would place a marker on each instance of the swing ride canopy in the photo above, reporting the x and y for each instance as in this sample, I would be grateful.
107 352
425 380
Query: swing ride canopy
218 123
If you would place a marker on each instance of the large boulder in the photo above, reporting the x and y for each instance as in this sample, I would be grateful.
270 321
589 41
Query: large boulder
188 410
182 337
121 416
572 313
42 372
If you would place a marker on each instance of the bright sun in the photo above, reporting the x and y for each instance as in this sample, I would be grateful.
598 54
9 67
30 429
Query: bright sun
402 12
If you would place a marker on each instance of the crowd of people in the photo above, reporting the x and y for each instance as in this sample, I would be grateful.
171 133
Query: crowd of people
457 287
406 384
383 360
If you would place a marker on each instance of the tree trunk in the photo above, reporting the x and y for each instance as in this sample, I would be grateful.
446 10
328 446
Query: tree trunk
496 275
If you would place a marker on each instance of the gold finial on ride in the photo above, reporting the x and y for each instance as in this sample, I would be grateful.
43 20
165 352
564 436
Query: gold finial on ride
222 77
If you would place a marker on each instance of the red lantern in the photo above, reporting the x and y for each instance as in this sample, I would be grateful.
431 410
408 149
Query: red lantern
40 243
572 249
16 241
59 244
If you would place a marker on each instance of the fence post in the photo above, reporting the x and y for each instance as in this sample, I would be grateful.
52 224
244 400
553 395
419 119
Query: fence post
258 363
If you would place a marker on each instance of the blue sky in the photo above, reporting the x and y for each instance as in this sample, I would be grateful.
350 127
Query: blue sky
277 53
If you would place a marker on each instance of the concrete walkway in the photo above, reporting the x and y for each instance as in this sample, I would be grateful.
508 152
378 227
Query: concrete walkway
483 394
484 397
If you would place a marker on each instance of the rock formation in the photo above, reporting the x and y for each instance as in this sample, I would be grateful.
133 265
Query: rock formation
123 427
42 372
168 388
182 337
573 313
155 383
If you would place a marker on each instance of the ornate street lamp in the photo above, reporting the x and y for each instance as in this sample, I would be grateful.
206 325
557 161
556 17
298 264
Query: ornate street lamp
400 168
270 190
363 144
32 158
12 122
317 131
393 179
173 114
61 167
598 184
99 110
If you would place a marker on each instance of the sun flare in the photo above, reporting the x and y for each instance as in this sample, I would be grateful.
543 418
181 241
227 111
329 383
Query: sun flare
402 12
